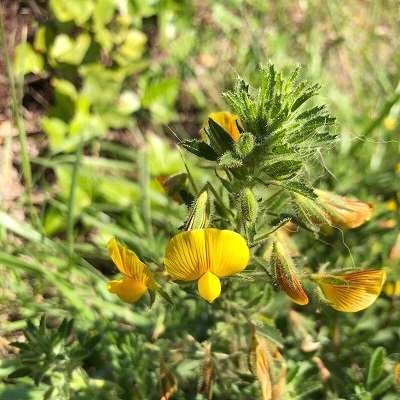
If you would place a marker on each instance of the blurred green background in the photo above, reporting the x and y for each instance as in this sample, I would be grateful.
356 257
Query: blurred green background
109 86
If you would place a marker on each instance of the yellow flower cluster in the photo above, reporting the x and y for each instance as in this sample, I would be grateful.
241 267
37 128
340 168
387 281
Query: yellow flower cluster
206 255
202 255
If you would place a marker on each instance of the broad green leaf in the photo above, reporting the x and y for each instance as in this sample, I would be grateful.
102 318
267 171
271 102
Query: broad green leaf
29 60
70 51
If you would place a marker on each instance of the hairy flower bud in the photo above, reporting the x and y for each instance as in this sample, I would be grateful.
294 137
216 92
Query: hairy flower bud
248 206
245 144
200 213
285 274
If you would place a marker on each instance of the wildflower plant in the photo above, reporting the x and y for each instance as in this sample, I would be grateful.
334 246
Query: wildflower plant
257 189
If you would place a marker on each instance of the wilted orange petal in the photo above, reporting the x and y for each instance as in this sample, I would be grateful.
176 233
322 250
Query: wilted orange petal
352 292
345 213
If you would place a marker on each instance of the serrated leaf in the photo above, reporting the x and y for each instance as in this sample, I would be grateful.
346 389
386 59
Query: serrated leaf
199 149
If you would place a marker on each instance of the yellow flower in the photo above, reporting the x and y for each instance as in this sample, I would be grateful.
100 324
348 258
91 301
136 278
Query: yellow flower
392 289
206 255
226 121
342 212
351 292
139 277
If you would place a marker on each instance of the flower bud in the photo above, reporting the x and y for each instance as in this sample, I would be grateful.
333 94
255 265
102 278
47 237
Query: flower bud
225 120
267 363
285 274
309 211
245 144
248 206
200 213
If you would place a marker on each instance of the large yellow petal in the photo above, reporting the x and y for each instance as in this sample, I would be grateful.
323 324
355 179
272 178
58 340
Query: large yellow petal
209 286
128 290
352 292
185 256
129 264
227 252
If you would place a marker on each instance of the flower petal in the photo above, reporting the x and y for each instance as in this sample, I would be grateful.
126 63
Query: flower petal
343 212
352 292
227 252
128 290
129 264
209 286
185 256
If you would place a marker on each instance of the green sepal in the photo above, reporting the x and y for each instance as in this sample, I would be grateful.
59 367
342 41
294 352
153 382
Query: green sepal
199 149
152 297
276 224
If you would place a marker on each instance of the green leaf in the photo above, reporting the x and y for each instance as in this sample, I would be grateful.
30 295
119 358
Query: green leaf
376 365
269 332
28 59
199 149
69 51
164 295
66 10
218 137
282 169
301 188
20 373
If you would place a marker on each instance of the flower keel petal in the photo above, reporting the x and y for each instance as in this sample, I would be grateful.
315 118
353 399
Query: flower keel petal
209 286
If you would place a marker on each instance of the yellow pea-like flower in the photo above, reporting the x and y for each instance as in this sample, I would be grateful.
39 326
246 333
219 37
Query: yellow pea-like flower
138 279
206 255
351 292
